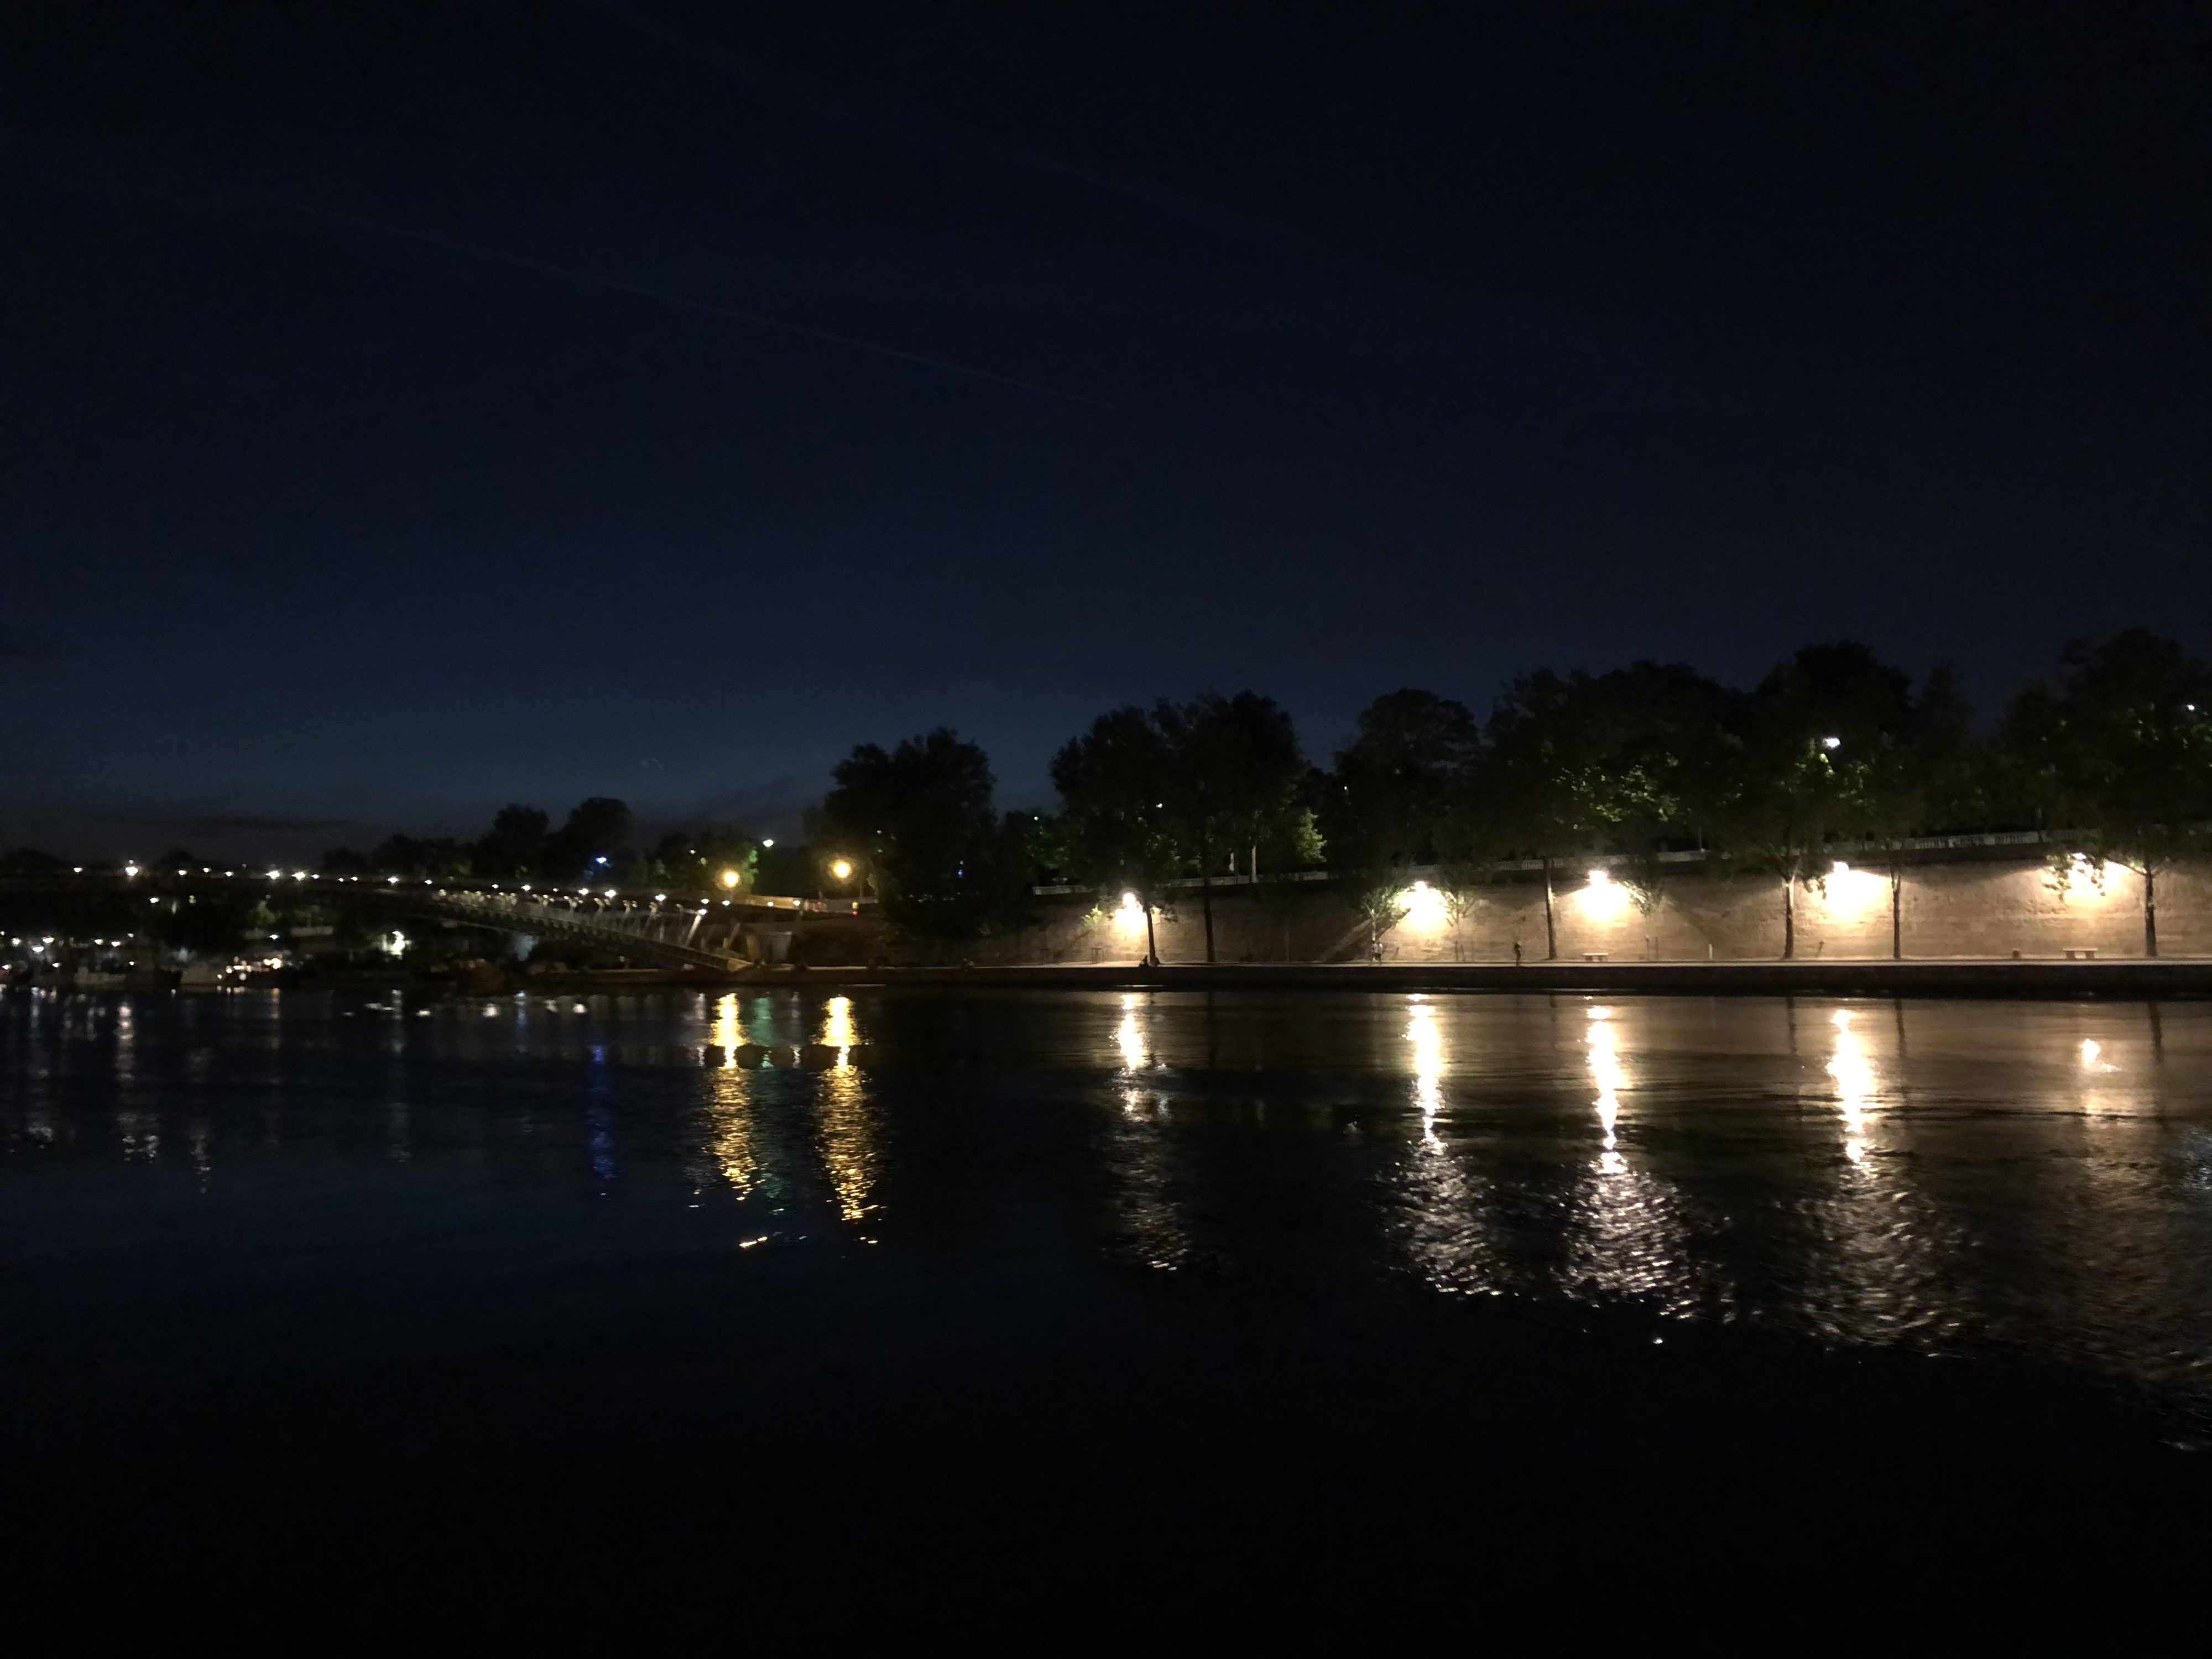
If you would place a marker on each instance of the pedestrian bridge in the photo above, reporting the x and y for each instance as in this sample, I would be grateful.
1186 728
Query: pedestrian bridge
652 927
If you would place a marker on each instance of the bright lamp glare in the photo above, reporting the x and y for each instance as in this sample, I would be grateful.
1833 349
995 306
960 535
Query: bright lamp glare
842 869
1424 905
729 878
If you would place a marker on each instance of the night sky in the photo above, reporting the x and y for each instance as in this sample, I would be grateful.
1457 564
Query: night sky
410 407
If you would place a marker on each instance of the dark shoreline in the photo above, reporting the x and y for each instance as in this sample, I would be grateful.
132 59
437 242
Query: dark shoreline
2067 981
1880 978
2032 979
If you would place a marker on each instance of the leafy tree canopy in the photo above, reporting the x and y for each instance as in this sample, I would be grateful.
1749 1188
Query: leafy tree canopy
920 821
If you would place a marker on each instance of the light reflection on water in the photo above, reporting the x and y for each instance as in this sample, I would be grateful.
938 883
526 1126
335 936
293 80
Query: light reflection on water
2032 1178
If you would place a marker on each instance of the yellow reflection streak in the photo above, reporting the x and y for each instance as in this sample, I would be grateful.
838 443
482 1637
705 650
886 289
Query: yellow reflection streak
1606 1071
848 1130
730 1129
1428 1067
848 1137
727 1034
729 1149
1855 1083
1129 1038
838 1031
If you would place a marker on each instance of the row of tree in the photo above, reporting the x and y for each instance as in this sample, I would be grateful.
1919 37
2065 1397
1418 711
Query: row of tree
1833 746
592 844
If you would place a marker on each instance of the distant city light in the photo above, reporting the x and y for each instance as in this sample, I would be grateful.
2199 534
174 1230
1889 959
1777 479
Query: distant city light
1832 742
602 859
130 869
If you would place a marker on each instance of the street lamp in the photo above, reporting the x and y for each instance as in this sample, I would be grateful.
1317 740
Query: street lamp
842 868
731 878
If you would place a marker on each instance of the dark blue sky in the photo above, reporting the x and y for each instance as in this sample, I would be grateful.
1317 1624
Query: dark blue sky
412 408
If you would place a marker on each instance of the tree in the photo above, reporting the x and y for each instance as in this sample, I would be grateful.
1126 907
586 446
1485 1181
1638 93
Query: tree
514 847
438 858
592 841
1399 797
1813 735
1459 884
1527 793
1234 770
1114 783
1398 788
1905 779
920 820
2123 748
702 861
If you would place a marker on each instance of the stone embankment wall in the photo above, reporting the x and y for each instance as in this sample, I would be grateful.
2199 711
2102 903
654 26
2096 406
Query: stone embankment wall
1971 907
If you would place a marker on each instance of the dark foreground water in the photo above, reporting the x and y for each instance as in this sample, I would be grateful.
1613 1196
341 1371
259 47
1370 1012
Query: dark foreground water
670 1321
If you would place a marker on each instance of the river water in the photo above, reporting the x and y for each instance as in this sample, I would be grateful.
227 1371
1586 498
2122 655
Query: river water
273 1197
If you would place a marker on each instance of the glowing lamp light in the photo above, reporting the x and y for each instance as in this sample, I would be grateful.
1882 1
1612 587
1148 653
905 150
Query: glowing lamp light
1839 868
130 869
660 898
1832 742
768 840
1424 904
842 869
1604 899
609 893
394 880
2086 876
731 878
276 875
